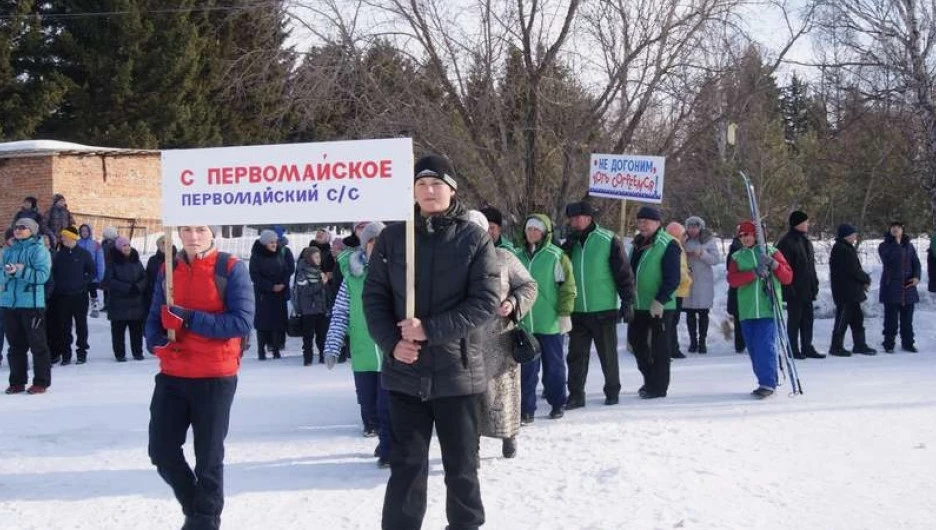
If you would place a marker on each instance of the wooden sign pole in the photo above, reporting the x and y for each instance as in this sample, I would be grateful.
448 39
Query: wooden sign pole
170 262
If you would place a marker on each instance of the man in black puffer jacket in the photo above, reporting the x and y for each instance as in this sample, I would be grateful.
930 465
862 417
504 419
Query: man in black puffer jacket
800 295
433 365
850 284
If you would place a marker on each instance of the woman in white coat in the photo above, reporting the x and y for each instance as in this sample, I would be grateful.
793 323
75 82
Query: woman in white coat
703 254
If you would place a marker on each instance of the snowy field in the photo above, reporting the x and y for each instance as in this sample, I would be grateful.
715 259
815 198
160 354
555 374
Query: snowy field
857 451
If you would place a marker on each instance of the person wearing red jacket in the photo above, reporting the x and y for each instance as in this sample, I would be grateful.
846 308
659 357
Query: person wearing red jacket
198 372
749 271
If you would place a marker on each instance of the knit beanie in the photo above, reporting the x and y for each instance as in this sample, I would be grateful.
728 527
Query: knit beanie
535 224
70 232
267 237
435 166
370 232
110 232
29 223
746 227
845 230
798 217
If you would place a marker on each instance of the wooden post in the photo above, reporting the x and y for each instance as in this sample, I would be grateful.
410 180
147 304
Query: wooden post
170 262
624 218
411 269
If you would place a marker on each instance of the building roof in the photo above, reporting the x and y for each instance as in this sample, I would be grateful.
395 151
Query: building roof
27 148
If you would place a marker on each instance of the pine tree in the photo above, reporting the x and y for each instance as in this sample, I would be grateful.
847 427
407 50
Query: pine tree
30 88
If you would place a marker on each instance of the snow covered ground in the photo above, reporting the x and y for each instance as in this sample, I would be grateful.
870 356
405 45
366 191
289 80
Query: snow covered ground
857 451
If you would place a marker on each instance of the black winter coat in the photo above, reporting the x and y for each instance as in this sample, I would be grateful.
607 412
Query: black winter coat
266 270
798 251
849 280
126 283
732 292
900 265
153 265
73 270
457 285
931 268
328 261
310 292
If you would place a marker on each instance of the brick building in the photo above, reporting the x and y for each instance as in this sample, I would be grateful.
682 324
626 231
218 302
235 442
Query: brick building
103 186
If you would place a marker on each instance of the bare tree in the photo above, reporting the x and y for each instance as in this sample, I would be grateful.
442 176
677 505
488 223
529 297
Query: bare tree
885 48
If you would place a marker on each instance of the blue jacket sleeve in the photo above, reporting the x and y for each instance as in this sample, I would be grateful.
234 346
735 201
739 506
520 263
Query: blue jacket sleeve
338 327
38 267
155 334
99 263
237 318
670 273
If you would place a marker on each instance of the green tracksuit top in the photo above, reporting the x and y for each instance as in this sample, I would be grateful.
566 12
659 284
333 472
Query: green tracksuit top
552 271
753 301
649 274
365 355
595 287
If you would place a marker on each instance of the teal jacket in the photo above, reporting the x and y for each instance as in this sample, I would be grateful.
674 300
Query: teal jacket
25 288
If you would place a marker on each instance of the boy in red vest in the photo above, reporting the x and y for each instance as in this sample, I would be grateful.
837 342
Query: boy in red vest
198 372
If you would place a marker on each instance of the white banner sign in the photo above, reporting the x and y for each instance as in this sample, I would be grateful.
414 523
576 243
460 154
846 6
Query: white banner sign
634 177
290 183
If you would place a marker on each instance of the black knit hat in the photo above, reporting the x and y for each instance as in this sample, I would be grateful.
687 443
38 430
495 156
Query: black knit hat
580 208
493 215
845 230
797 217
649 212
435 166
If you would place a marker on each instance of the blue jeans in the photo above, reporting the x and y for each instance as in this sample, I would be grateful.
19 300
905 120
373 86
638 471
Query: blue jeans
554 375
760 335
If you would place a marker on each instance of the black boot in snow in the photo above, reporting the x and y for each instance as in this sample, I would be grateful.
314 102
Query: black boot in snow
509 448
261 345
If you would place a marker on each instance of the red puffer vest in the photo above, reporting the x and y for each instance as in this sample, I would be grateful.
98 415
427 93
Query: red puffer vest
192 355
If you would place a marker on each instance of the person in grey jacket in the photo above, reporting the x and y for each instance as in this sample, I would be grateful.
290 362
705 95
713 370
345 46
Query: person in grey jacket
434 363
500 404
310 302
702 253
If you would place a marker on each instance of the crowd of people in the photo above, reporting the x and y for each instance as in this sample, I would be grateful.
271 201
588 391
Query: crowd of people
450 367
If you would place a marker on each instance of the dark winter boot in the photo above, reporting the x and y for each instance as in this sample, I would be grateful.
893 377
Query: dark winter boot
693 335
261 345
864 349
703 331
276 354
509 448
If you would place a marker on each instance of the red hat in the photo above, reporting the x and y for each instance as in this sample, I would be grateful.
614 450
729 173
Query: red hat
746 227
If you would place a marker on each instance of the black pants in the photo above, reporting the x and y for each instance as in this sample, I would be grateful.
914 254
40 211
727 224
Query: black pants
848 315
267 339
602 328
697 320
314 328
800 325
25 330
456 421
118 334
64 311
673 331
648 337
205 405
739 344
892 314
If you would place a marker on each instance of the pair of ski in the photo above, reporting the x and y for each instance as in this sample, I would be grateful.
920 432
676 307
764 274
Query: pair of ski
785 354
